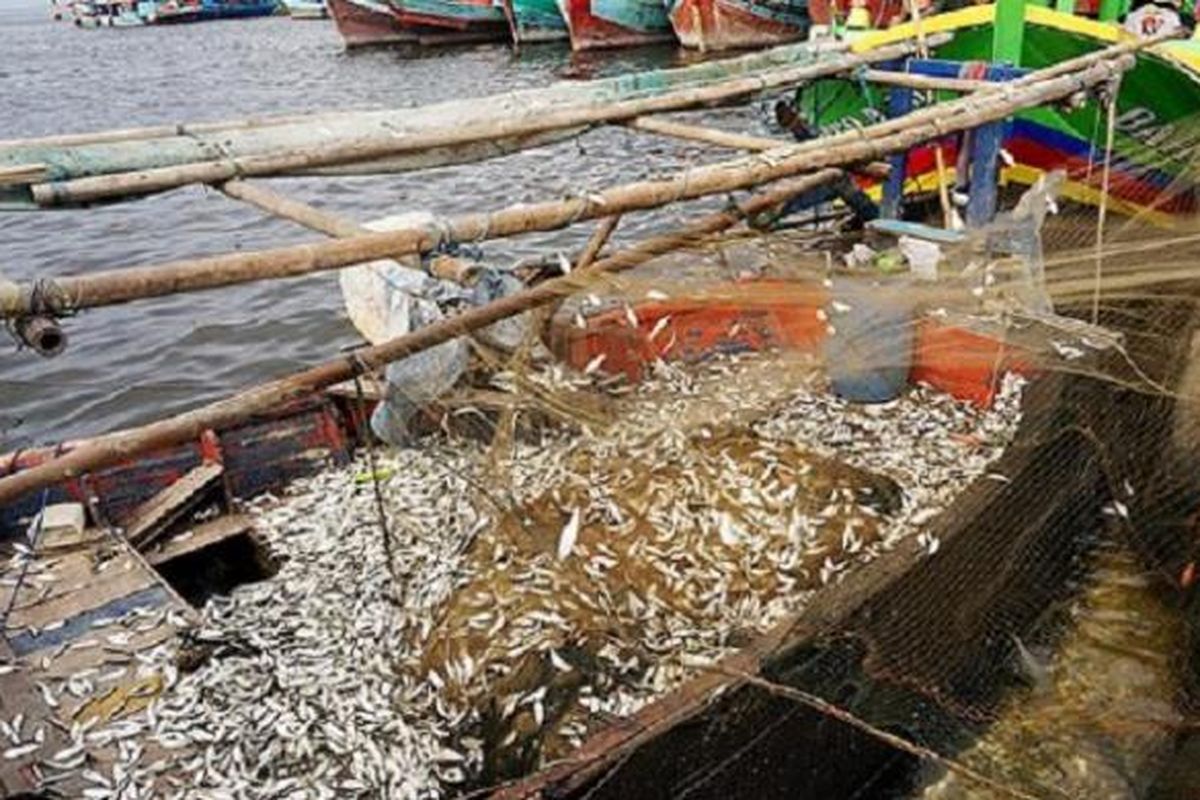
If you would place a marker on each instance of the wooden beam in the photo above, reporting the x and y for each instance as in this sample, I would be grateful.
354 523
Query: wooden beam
292 210
925 82
23 174
154 516
697 133
736 141
199 537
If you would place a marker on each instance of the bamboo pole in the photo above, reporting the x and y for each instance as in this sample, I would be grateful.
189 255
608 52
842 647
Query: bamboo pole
857 146
112 448
597 240
924 82
149 181
736 141
22 174
163 131
292 210
682 130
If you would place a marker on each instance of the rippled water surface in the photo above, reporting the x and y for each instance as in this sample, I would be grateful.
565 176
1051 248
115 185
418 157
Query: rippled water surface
138 362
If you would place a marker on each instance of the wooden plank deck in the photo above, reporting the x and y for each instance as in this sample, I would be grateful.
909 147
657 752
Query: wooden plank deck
84 610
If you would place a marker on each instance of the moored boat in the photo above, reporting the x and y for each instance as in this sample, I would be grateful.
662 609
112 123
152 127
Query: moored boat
362 23
307 9
731 24
237 9
538 21
596 24
481 18
174 12
1154 116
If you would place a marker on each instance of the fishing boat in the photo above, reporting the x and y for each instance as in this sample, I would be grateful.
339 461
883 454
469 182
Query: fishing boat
174 12
884 667
1155 122
538 21
731 24
474 20
363 23
597 24
237 9
307 9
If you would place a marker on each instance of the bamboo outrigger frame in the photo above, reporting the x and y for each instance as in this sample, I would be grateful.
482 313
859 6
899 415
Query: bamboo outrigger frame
820 160
777 171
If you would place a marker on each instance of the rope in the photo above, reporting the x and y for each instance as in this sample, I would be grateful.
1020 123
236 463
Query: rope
1110 133
826 708
34 540
378 489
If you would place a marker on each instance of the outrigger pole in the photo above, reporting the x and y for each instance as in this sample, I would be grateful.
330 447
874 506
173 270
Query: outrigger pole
872 142
64 295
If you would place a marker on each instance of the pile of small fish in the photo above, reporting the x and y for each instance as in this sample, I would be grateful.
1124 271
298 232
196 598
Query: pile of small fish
504 610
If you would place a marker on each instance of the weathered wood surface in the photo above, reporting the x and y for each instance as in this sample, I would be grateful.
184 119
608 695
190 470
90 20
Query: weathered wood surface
153 517
18 696
199 537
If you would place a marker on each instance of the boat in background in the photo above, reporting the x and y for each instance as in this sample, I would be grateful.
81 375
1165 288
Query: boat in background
237 9
363 23
537 21
465 20
731 24
307 9
595 24
174 12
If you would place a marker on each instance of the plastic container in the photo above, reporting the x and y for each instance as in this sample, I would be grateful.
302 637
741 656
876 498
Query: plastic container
869 346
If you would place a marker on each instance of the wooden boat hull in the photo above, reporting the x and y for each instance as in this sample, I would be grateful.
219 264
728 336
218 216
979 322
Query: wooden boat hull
262 455
732 24
362 23
175 13
306 9
597 24
1156 106
233 9
539 21
464 16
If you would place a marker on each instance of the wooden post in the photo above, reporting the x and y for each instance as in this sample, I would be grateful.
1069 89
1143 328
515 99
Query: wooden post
105 450
857 146
1008 31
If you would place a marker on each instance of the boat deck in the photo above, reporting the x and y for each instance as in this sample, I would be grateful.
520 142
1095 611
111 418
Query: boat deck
85 611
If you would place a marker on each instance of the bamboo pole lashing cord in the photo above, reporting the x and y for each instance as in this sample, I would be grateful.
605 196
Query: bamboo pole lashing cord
1105 176
113 448
866 144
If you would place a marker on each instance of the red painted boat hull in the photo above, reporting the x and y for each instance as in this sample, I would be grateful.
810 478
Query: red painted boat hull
361 25
721 25
589 32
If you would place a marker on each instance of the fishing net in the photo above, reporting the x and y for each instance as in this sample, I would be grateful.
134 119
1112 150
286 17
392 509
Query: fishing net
844 585
825 510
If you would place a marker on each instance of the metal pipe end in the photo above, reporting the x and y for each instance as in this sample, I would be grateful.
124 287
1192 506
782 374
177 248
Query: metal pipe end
43 335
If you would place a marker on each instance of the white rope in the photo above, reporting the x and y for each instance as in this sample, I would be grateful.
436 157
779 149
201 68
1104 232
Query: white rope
1114 89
